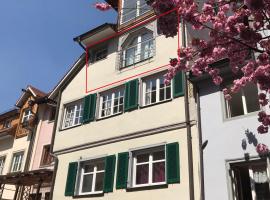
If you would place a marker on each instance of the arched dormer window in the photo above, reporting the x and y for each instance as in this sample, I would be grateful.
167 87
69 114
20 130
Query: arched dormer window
137 48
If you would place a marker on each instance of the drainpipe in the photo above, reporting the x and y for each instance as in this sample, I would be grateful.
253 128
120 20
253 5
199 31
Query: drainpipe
187 116
56 160
200 142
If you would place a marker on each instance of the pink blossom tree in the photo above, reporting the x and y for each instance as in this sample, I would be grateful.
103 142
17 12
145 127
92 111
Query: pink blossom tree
236 29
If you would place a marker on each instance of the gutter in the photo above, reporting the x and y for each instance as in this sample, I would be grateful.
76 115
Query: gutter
200 143
189 134
56 160
78 40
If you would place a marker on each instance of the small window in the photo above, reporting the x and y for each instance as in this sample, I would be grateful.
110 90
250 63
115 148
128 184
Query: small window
101 54
7 123
133 8
52 114
149 167
17 160
27 115
73 114
46 159
91 176
250 180
47 195
155 90
241 103
2 164
140 48
111 103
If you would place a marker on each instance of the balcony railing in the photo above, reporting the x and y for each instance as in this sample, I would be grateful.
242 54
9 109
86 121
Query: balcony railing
137 53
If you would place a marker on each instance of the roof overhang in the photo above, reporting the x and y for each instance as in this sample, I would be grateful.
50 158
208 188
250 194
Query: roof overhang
101 32
10 113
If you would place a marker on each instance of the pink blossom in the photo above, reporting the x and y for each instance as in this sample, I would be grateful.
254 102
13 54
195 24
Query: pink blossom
262 149
262 129
102 6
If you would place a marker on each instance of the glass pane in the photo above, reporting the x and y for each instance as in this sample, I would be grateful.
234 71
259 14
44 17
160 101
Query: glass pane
168 92
87 183
100 166
158 172
142 174
161 94
251 96
88 168
153 97
99 181
142 158
235 105
160 155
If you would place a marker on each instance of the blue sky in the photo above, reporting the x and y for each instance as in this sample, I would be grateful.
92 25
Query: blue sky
36 42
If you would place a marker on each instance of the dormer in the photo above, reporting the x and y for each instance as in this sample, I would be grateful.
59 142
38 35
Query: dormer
8 123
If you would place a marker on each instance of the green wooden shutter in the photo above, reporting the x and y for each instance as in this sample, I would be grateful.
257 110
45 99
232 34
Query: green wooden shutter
71 178
131 95
122 170
89 109
172 163
178 84
109 174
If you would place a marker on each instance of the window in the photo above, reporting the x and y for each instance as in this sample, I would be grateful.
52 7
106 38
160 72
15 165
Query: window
91 176
111 103
2 164
46 159
133 8
155 90
27 115
47 195
73 114
101 54
241 103
7 123
149 167
52 114
140 48
250 180
16 164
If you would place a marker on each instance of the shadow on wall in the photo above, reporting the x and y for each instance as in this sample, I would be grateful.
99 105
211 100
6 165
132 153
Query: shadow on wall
6 143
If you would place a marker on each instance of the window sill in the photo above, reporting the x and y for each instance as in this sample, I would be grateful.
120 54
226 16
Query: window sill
63 129
107 117
157 103
94 194
241 116
148 187
134 65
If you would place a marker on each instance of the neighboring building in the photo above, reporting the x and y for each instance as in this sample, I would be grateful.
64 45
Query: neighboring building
16 147
129 139
232 168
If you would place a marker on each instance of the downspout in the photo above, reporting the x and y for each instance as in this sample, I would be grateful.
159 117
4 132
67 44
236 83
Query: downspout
56 161
187 116
200 142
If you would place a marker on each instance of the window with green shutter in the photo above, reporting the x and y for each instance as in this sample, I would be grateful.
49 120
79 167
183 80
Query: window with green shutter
178 84
173 163
131 95
109 174
89 110
122 170
71 178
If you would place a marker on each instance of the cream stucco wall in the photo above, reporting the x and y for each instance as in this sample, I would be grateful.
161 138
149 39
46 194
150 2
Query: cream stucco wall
141 120
173 192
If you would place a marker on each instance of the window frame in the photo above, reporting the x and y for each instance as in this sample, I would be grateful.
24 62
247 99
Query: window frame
13 161
80 174
226 106
137 10
144 91
133 163
70 104
138 52
99 51
2 163
43 154
112 92
27 116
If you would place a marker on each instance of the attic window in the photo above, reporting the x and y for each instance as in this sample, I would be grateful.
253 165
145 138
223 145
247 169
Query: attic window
100 54
27 115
